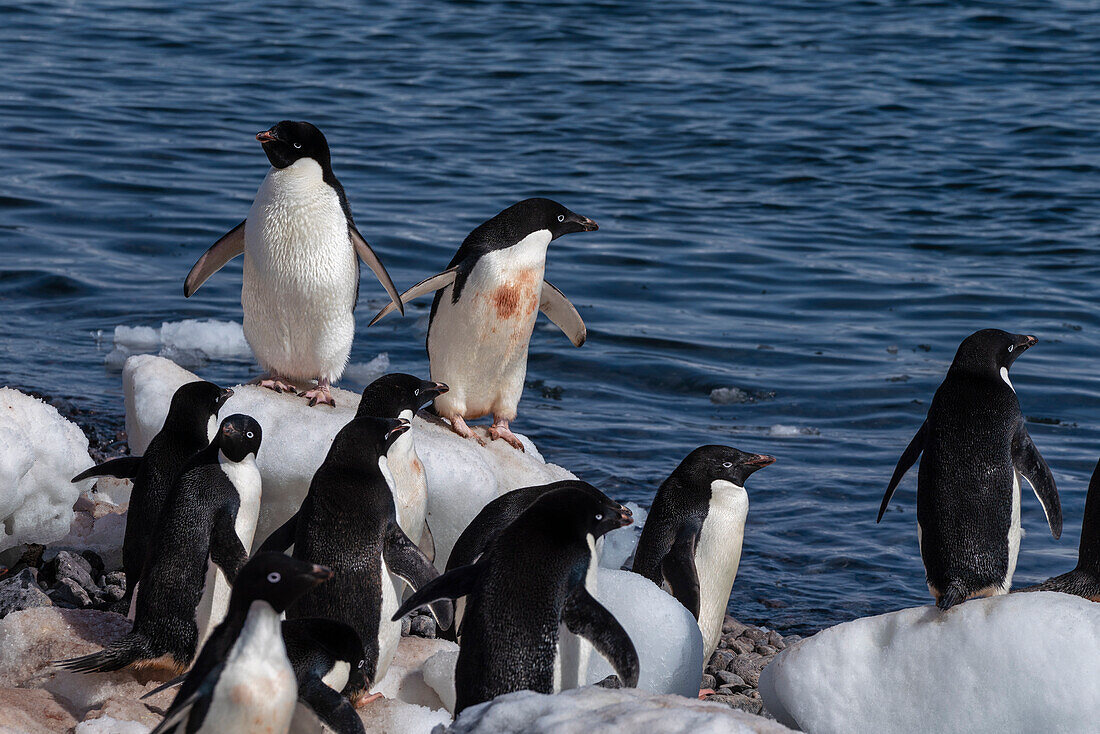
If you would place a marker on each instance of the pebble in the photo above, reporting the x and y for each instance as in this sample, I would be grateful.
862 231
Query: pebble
423 626
707 681
766 650
730 679
721 659
22 592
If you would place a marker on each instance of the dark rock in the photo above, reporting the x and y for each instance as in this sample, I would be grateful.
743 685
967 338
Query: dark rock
748 672
776 640
755 634
406 626
22 592
730 679
732 626
74 567
708 681
611 681
739 701
740 647
765 650
113 593
720 660
68 593
423 626
94 561
115 578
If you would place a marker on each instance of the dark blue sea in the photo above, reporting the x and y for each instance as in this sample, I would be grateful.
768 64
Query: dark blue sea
809 202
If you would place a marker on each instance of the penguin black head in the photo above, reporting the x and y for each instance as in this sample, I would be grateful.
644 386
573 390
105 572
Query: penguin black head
548 214
365 438
287 142
985 353
707 464
578 510
391 394
277 579
194 403
238 436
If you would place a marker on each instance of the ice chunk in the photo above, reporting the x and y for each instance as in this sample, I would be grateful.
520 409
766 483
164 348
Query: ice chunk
405 678
439 675
784 431
592 709
40 453
361 374
669 645
215 339
96 526
1023 663
462 475
728 395
619 545
111 725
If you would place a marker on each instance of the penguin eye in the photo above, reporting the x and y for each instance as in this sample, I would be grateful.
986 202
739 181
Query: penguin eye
274 577
1011 347
599 516
416 391
727 464
297 145
561 217
249 434
362 663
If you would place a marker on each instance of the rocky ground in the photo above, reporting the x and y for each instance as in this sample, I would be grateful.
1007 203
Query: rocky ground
733 671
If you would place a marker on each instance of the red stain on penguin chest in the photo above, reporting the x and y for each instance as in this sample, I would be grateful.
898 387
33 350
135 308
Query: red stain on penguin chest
517 298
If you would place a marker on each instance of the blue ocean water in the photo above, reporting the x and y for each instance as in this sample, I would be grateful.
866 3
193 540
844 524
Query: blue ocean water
810 202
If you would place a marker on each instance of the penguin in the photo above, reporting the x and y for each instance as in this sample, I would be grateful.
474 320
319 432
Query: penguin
242 680
328 662
399 395
976 447
692 539
301 275
200 521
532 579
1084 580
348 522
191 421
484 311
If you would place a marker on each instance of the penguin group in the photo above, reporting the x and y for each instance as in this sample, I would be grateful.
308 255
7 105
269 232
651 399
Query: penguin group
312 612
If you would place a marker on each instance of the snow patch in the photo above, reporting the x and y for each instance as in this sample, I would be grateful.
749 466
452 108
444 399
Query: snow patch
190 343
110 725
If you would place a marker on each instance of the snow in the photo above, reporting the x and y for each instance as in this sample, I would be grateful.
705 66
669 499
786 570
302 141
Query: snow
364 373
439 674
669 645
1016 663
111 725
618 546
190 342
462 476
40 453
97 526
592 709
405 679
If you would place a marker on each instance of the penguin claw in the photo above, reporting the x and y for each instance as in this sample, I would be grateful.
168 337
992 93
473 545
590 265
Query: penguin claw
459 426
364 700
319 395
501 430
276 384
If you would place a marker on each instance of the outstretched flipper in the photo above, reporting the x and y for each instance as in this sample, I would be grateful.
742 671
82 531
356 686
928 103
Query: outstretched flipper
678 567
586 617
330 707
431 285
908 458
228 247
409 562
559 310
366 254
1029 463
193 707
282 537
451 585
124 467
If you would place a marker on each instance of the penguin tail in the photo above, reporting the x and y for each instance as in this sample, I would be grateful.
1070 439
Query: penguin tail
119 654
954 594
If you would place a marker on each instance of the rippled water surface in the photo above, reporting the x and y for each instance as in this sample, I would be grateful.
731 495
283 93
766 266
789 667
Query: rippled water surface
810 202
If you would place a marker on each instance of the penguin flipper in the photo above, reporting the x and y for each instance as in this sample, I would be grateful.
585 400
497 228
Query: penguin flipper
226 549
228 247
124 467
190 709
908 458
1030 464
427 542
564 315
586 617
282 537
431 285
164 686
455 583
409 562
330 707
366 254
678 567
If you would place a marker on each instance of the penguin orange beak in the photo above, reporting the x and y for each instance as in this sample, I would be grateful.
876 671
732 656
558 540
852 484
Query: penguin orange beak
760 460
398 429
588 225
226 394
1028 342
318 573
266 137
626 517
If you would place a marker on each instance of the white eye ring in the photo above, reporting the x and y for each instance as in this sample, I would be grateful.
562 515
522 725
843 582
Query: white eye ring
416 391
561 217
599 516
727 464
249 434
274 577
362 663
297 145
1011 347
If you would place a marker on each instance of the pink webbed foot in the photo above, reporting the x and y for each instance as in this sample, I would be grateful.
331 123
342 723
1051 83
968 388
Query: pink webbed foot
500 429
459 426
704 692
275 382
319 395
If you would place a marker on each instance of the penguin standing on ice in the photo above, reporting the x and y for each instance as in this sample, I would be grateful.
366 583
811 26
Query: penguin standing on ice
242 680
191 419
199 522
484 311
301 275
532 579
348 522
976 447
691 542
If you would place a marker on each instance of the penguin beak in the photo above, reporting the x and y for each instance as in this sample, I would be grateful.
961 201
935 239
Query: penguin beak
317 574
760 460
226 394
436 389
401 426
626 517
587 224
1026 342
266 136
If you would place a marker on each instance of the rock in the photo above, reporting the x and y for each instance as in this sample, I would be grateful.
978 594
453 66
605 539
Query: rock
754 634
721 659
748 672
776 640
592 709
33 711
731 626
68 593
765 650
708 681
113 593
22 592
731 679
423 625
1021 662
99 527
741 647
68 565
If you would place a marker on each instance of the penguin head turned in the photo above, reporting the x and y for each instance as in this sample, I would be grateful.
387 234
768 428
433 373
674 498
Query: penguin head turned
391 394
194 403
238 436
985 353
287 142
579 509
708 464
276 579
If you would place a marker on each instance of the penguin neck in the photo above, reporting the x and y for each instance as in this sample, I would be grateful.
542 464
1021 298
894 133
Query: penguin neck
1088 553
380 406
258 626
195 431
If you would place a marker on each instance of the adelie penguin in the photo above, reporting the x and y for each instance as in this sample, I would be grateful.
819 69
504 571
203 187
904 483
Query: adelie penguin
348 522
191 419
301 275
691 542
532 579
213 499
975 448
242 680
484 311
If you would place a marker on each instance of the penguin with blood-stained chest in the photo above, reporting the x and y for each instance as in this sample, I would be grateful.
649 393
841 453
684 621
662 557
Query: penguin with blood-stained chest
692 539
301 264
1084 579
213 501
242 680
528 582
348 522
188 428
975 447
484 311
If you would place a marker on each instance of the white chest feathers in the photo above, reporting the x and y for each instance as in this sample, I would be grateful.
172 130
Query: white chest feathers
717 556
574 651
405 476
256 690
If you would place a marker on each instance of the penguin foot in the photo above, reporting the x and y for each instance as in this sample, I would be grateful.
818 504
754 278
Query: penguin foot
500 429
704 692
277 384
459 426
362 701
319 395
